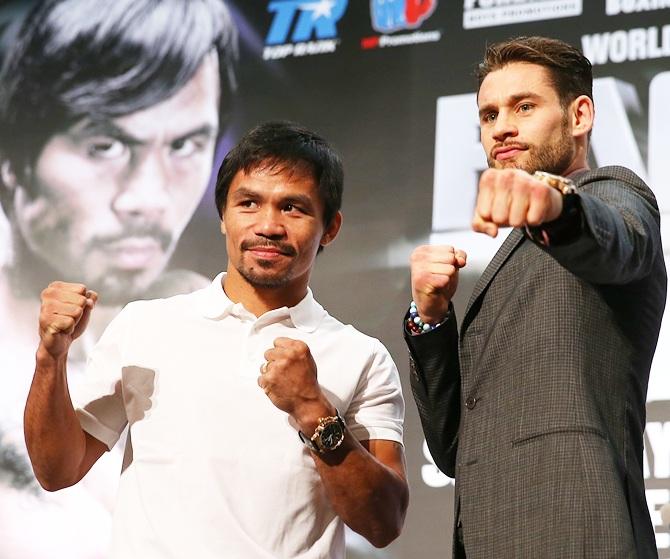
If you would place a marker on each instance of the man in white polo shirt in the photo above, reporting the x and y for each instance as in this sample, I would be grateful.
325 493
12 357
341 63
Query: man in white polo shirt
220 386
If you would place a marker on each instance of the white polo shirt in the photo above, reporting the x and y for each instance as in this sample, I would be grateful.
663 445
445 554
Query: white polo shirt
213 469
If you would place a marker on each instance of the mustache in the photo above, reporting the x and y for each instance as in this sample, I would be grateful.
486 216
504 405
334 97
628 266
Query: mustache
284 248
152 231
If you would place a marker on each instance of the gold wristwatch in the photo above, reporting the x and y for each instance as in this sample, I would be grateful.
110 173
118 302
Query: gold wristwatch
328 435
563 185
568 226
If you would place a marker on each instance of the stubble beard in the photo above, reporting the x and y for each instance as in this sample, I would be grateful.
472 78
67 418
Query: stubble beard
264 281
554 158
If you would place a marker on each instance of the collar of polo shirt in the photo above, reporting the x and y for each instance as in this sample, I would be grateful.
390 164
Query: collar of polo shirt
215 305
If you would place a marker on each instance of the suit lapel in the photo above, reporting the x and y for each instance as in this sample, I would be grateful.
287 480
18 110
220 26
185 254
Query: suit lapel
508 246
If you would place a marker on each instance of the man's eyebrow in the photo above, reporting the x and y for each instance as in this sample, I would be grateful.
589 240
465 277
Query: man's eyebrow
243 192
109 128
105 128
299 199
511 100
204 130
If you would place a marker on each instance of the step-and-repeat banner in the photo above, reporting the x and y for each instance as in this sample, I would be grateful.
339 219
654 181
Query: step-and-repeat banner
104 126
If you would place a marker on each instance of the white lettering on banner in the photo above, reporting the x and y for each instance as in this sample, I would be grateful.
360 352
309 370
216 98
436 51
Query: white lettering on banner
656 498
430 473
614 7
300 49
459 157
489 13
624 46
658 445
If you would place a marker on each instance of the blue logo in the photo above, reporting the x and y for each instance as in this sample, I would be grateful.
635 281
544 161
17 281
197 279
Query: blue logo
308 19
392 15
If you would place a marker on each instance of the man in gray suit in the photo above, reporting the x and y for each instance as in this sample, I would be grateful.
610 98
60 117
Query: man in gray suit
537 405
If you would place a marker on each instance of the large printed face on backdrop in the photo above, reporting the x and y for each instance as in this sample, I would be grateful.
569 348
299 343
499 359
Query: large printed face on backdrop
106 202
522 122
273 223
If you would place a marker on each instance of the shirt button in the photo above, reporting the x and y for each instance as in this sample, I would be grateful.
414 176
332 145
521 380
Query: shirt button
471 402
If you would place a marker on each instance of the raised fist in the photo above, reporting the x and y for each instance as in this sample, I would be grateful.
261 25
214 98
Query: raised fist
513 198
64 315
434 272
289 379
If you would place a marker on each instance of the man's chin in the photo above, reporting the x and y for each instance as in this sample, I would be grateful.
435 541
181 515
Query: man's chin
506 164
117 289
265 279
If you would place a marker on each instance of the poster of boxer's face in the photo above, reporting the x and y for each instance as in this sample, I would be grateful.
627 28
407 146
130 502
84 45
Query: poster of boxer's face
115 114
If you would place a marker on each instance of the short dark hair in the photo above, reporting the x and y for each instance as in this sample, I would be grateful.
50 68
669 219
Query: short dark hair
570 71
65 60
279 145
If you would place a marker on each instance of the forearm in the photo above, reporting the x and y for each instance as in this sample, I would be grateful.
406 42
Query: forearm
619 241
55 440
370 497
436 386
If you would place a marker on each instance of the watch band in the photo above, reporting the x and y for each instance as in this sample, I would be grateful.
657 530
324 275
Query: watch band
563 184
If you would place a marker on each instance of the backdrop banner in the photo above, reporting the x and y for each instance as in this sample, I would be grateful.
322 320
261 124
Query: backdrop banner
390 83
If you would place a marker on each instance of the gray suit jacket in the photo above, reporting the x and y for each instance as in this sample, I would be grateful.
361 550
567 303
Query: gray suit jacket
537 407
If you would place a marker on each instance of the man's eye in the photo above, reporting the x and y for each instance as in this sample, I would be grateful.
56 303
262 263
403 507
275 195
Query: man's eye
186 147
525 107
106 149
489 117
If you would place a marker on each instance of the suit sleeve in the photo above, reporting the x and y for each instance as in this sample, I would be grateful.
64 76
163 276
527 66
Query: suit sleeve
436 385
620 236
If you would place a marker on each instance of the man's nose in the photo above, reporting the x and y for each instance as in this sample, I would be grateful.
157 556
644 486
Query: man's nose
504 127
270 223
144 188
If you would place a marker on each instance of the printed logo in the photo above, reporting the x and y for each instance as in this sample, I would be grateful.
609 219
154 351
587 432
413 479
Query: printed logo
389 16
393 15
303 27
489 13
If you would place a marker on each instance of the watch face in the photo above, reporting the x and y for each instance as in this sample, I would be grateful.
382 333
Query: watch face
332 435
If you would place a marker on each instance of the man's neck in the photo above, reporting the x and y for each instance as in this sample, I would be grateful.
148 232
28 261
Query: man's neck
259 300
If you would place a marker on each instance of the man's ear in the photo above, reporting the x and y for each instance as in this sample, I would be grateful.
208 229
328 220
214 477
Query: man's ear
332 230
582 114
223 227
7 175
9 184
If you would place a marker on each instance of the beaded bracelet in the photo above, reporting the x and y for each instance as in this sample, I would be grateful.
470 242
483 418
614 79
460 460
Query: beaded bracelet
414 323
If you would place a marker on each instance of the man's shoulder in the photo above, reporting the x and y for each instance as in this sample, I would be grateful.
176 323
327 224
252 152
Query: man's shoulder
620 175
158 301
351 335
610 172
176 282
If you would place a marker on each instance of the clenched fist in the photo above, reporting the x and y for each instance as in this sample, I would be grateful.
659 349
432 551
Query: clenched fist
434 272
513 198
289 379
64 314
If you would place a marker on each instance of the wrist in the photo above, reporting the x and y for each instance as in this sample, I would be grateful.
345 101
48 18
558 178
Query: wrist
44 357
420 324
307 415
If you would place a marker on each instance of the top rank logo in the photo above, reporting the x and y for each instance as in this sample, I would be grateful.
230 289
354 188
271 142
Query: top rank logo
303 27
392 15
